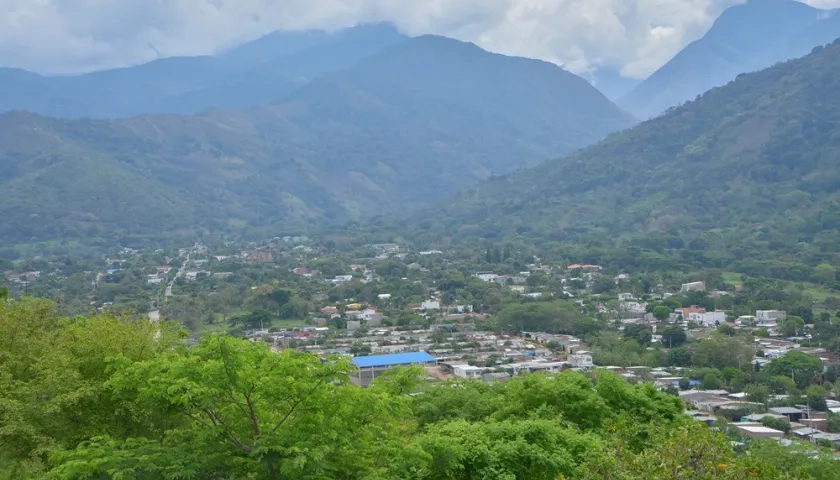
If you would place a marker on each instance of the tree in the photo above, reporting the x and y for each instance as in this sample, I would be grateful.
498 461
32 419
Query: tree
793 326
673 336
640 332
757 392
661 313
711 382
239 410
720 351
679 357
781 424
799 366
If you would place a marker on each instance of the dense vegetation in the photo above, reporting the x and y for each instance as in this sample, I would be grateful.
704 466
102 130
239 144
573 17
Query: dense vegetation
747 37
744 178
111 397
404 127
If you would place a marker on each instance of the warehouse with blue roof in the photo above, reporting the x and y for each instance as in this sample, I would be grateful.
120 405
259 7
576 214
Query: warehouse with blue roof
370 367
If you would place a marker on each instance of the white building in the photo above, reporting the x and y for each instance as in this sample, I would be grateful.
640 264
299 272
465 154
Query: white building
384 296
687 287
708 319
342 278
486 276
467 371
770 316
580 361
430 305
624 297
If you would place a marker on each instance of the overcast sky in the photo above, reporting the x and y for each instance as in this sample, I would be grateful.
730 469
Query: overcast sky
636 36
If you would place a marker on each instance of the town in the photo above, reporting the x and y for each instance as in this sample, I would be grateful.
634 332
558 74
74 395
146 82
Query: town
758 355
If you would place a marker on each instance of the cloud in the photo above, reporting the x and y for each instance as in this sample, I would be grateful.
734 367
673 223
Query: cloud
635 36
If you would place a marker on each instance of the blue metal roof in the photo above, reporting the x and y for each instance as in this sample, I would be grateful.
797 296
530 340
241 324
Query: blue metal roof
393 359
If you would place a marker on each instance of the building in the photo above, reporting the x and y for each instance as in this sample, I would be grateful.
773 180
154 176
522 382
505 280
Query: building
708 319
686 312
430 305
793 414
693 286
758 431
467 371
769 316
486 276
580 361
373 366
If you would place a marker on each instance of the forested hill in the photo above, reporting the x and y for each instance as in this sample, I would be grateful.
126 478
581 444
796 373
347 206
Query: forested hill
404 127
748 169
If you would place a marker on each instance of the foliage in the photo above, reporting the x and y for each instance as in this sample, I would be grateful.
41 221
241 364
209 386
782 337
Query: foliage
799 366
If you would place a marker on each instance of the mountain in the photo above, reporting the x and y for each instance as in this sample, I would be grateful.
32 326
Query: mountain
259 72
747 170
404 127
611 82
745 38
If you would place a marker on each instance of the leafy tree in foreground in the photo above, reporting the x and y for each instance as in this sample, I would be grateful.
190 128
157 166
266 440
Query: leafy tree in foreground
249 411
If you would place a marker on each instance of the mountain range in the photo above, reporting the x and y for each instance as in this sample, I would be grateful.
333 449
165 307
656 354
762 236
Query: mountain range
412 123
747 170
745 38
253 74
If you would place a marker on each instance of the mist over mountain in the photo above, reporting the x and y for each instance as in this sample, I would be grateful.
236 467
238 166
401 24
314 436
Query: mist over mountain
745 38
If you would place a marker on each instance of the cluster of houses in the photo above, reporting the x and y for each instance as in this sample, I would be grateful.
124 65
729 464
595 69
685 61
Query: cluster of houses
805 423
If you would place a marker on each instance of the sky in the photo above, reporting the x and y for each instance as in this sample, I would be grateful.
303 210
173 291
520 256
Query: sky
632 36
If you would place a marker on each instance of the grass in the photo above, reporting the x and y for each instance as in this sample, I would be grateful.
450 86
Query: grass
733 277
221 325
813 290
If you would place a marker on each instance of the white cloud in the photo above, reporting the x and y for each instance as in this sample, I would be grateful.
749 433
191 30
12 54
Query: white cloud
636 36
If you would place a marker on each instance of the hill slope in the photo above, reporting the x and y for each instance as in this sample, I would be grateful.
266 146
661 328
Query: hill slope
260 72
752 163
745 38
402 128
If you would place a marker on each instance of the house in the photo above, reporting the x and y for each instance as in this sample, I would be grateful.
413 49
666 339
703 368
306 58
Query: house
342 279
685 312
192 275
693 286
793 414
302 271
708 319
580 361
222 275
384 296
833 438
430 305
495 377
430 252
330 310
758 431
467 371
486 276
625 297
770 316
163 269
154 280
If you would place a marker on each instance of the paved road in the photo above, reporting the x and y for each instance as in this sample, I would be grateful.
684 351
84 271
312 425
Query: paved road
181 273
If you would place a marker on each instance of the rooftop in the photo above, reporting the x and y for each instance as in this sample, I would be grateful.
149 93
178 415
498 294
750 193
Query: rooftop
393 359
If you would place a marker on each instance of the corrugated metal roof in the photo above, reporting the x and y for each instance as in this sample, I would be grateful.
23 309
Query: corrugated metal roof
393 359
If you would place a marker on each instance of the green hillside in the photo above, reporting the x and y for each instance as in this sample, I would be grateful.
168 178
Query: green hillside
747 171
375 139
